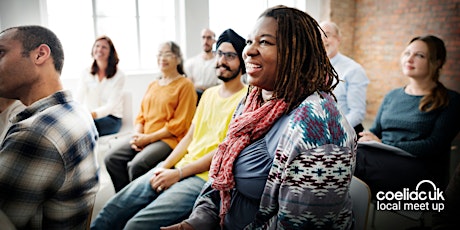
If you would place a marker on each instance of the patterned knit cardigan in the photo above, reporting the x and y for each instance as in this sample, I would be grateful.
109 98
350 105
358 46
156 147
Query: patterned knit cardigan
308 185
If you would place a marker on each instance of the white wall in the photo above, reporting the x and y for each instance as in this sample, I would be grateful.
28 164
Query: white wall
193 17
135 83
19 12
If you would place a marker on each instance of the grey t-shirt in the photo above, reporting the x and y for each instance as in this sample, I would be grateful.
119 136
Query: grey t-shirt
250 172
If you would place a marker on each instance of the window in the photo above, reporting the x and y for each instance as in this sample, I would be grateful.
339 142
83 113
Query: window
75 30
241 15
136 27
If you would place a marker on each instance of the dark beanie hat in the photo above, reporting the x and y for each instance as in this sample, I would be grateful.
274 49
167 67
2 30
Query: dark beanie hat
238 43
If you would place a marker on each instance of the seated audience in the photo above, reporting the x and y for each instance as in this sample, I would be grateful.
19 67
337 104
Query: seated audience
166 194
288 158
165 115
101 87
48 170
420 118
9 108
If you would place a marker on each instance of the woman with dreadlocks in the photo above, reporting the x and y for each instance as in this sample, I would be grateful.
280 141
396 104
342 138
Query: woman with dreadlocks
288 158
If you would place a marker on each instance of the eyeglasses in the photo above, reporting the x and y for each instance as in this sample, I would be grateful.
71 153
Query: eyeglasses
207 38
229 56
165 55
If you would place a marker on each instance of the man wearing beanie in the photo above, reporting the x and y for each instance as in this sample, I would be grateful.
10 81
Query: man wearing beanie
166 194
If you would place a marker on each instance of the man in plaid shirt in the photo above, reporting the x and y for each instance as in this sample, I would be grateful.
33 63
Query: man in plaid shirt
48 172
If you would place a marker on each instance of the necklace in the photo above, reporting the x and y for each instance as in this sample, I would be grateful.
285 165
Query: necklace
166 81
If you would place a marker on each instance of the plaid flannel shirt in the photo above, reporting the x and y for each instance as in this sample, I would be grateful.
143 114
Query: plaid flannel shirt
48 172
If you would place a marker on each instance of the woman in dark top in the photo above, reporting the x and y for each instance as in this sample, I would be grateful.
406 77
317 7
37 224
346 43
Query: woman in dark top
420 118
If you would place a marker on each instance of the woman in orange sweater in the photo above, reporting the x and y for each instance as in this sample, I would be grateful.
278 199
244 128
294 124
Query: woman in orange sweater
166 112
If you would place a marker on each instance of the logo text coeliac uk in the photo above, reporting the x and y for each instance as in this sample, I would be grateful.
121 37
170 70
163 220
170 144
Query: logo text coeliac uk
418 200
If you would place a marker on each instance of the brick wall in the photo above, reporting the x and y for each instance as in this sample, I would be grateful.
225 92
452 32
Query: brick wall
375 32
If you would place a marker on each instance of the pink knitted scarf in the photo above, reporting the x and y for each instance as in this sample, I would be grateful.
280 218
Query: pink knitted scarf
252 124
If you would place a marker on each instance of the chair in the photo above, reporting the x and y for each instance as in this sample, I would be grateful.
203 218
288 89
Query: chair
361 197
418 216
105 142
127 120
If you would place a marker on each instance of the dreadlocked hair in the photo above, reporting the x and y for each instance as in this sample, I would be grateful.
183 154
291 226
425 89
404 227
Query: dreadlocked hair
303 65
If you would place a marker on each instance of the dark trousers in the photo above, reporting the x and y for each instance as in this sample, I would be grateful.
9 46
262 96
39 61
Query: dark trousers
385 171
108 125
199 92
124 164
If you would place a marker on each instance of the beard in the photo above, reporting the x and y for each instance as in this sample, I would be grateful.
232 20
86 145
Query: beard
207 49
235 73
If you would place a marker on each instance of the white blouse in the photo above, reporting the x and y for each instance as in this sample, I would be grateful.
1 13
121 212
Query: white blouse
103 97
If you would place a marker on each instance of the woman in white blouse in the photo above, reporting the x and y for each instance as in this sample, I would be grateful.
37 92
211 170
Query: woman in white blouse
101 87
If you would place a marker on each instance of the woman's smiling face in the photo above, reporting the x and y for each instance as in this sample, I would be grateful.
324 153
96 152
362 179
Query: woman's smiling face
101 50
260 54
167 60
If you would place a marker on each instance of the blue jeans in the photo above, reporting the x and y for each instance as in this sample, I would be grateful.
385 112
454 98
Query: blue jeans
108 125
138 206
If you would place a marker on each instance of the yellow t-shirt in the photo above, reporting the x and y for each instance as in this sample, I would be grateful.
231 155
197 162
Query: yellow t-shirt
211 120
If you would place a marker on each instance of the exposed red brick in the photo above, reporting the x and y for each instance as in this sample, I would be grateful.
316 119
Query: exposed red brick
375 32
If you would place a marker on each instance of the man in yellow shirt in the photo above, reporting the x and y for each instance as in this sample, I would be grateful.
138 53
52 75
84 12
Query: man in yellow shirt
166 194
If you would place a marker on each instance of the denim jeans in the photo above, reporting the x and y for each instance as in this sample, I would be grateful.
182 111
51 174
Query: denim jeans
108 125
138 206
